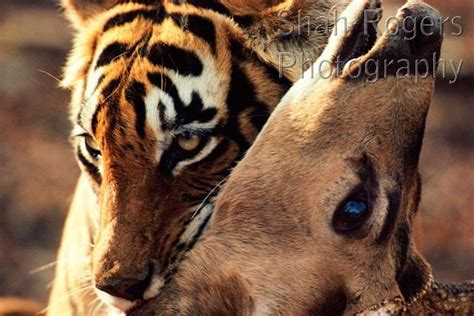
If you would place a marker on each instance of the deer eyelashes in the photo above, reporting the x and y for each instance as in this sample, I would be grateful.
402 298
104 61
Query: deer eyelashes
352 213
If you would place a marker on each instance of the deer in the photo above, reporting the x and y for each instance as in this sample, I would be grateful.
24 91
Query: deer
317 218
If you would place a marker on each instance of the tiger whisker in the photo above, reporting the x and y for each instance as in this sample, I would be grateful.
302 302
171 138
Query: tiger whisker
204 201
98 307
51 265
48 74
84 294
70 293
94 301
43 268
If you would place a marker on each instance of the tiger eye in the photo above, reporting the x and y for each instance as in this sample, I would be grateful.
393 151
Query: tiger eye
188 142
92 146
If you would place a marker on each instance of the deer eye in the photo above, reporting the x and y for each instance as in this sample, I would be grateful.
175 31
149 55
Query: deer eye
351 214
188 141
91 146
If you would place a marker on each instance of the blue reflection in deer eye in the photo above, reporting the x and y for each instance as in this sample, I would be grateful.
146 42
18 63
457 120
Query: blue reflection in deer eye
355 209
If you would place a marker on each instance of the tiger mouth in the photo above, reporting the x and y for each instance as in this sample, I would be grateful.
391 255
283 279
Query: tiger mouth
195 229
159 277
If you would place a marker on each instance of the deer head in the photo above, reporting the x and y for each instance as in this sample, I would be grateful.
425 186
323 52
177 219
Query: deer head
317 218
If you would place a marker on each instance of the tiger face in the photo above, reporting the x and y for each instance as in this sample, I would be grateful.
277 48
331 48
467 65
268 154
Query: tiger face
167 96
166 99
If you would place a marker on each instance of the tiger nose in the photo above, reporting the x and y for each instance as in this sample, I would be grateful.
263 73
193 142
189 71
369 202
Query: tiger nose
129 289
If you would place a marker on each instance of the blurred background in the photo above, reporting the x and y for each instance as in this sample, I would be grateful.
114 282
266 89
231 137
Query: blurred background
38 171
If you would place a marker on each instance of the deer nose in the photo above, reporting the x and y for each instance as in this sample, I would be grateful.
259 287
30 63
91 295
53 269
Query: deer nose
424 27
414 37
126 288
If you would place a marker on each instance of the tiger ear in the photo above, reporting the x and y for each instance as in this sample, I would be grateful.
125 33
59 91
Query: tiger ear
250 7
79 12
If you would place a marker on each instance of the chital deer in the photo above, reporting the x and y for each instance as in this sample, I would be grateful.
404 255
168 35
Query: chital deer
317 218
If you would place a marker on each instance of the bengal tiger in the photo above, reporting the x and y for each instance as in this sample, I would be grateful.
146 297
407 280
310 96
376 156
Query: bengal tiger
167 96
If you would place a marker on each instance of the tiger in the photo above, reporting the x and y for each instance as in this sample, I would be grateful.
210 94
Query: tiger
166 98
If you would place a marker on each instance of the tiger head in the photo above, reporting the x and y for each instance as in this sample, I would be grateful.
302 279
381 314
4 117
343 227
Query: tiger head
166 98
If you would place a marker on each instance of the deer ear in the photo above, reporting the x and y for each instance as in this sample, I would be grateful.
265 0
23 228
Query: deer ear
79 12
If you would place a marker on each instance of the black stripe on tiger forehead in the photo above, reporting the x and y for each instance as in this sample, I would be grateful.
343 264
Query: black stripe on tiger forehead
149 2
155 15
110 89
169 56
206 4
175 58
199 26
162 54
111 53
135 94
185 114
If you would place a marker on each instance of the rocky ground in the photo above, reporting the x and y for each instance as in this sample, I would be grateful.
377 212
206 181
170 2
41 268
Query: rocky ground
37 169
